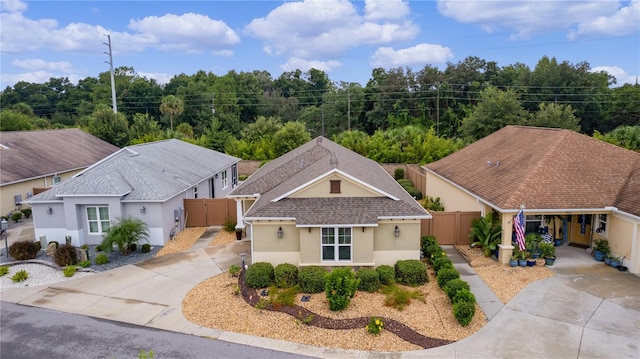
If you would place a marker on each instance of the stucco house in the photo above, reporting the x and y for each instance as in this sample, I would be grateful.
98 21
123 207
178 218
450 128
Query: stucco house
147 181
322 204
577 187
31 161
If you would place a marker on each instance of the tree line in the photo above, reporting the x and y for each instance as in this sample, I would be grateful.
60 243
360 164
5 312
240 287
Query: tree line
398 116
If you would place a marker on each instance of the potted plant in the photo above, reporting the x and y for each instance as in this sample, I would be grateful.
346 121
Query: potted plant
532 241
513 262
615 262
607 259
522 258
486 232
548 252
600 249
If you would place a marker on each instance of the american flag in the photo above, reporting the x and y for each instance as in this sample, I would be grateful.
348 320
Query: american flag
518 225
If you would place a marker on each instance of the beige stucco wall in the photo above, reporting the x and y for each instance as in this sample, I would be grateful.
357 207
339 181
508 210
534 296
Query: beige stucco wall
8 192
620 235
451 197
265 237
322 189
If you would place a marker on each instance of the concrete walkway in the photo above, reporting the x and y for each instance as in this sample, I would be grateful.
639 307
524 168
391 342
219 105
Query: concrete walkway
587 311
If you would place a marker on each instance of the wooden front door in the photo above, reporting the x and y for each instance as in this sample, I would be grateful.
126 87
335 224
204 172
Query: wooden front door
580 229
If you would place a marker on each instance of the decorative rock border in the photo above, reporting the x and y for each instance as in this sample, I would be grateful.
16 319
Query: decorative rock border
252 297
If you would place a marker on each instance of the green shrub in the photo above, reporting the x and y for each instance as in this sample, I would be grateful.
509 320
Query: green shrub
16 216
398 173
441 262
433 204
286 275
84 264
414 192
259 275
229 226
98 248
124 233
340 286
453 286
4 270
426 242
234 270
66 255
133 247
146 248
26 212
311 279
398 297
375 325
20 276
405 182
369 280
102 259
279 297
464 295
69 271
464 312
446 274
23 250
432 252
386 274
411 272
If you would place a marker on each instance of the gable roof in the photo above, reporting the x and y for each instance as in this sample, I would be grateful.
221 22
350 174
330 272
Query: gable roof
316 159
31 154
545 168
154 171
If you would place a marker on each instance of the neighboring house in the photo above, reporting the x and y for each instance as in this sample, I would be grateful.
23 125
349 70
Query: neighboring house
147 181
577 187
322 204
32 161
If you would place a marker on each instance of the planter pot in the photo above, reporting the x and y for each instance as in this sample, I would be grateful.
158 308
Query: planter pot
614 263
522 262
513 262
599 256
531 263
607 261
238 235
540 261
549 260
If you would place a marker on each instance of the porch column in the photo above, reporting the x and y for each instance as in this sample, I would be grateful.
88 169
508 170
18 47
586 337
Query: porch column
506 249
239 214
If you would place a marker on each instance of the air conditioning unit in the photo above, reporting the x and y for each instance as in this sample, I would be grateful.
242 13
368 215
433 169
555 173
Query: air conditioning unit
18 199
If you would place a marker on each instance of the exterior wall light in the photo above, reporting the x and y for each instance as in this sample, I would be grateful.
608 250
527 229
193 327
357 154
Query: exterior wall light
142 209
243 259
49 210
396 232
280 232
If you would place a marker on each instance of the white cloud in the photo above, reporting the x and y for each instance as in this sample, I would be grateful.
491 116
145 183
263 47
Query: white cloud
326 29
161 78
39 64
621 75
295 63
526 18
34 77
419 54
625 21
12 6
385 9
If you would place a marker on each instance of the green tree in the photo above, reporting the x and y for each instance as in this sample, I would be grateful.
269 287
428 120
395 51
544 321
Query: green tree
172 106
14 121
292 135
495 110
624 136
554 116
109 126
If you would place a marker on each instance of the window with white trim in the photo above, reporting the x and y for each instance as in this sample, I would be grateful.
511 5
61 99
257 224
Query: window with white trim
601 224
224 179
98 219
336 244
533 223
195 192
56 179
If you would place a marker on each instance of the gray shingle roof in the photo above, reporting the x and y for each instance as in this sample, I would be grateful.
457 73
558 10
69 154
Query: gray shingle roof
33 154
312 160
154 171
545 168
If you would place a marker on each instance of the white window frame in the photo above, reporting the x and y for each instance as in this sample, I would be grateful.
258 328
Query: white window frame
56 180
103 224
336 243
602 223
537 218
225 183
195 192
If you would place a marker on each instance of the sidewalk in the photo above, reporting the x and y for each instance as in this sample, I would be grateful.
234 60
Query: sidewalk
587 310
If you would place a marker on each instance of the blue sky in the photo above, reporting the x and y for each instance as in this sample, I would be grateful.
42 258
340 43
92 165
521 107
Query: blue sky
346 39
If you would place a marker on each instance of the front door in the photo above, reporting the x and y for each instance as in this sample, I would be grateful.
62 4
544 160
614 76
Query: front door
580 229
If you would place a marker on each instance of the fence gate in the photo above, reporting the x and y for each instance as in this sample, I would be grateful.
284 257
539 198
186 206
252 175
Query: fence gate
204 212
449 228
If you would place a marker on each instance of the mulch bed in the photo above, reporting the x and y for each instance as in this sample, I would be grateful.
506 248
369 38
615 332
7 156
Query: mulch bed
252 297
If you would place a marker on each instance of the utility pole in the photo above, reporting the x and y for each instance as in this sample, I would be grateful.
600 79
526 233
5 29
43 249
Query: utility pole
113 82
349 108
438 109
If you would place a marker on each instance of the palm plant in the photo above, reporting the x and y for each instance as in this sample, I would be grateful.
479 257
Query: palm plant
486 232
123 233
171 105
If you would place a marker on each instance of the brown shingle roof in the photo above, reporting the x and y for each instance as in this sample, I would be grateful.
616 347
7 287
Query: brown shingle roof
311 160
545 168
32 154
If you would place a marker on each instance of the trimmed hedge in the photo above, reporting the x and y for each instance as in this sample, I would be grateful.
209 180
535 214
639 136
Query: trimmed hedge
464 312
441 262
411 272
464 295
341 285
259 275
24 250
386 274
452 287
369 280
286 275
425 242
446 274
311 279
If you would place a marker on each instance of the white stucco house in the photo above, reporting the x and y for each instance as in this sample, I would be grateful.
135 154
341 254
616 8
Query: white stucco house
147 181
